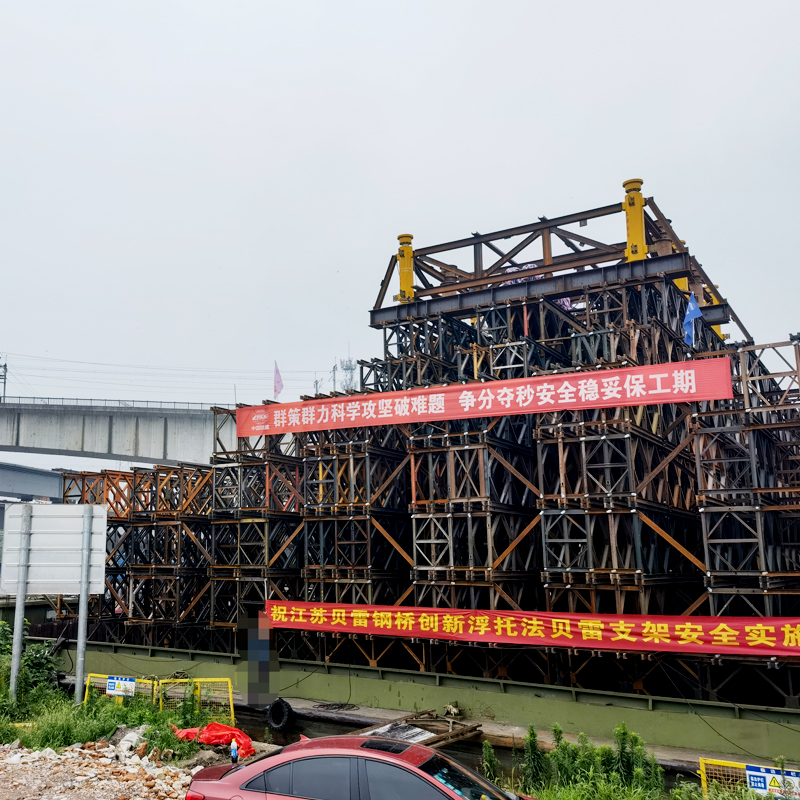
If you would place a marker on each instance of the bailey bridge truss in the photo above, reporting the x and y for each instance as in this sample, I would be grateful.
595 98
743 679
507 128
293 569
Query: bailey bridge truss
687 509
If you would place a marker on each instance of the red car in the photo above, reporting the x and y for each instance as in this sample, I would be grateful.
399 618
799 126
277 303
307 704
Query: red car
346 768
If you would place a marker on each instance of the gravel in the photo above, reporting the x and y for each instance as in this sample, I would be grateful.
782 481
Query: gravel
100 771
92 771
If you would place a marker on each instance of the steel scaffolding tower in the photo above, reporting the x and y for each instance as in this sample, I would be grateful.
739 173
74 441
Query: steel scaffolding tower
673 509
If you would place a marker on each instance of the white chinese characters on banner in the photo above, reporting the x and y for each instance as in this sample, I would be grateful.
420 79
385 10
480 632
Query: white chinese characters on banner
563 392
354 411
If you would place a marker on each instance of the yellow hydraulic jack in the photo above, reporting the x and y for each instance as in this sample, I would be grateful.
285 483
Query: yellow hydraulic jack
405 261
633 205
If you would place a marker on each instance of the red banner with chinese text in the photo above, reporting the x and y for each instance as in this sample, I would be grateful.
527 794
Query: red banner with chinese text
754 636
680 382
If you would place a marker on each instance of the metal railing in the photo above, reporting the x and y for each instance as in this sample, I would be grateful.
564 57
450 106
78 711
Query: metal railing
81 401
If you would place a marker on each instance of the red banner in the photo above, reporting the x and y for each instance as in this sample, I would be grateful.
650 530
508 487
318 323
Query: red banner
753 636
680 382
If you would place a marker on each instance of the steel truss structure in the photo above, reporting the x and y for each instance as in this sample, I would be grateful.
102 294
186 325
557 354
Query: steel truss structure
671 509
192 549
357 525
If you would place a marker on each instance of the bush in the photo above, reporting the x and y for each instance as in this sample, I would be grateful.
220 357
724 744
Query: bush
491 763
534 763
37 671
6 638
37 668
587 771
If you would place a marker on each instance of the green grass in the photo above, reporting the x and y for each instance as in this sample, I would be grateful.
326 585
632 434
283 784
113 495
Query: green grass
56 722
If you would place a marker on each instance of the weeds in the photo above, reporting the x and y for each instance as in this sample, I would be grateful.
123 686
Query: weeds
583 771
37 673
583 766
54 721
57 722
491 763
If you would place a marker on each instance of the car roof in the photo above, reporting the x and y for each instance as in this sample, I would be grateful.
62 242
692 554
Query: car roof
414 755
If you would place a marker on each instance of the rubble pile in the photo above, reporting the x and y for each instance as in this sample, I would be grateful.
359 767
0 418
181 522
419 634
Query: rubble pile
124 768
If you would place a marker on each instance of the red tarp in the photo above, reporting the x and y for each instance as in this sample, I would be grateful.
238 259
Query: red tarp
752 636
217 733
187 734
679 382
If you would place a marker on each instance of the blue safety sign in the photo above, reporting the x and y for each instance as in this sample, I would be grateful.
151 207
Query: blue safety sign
769 781
120 687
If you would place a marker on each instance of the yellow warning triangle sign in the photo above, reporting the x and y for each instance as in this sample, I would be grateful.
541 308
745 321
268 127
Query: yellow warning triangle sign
774 782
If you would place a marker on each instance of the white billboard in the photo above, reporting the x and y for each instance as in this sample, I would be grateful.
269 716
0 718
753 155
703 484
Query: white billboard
55 549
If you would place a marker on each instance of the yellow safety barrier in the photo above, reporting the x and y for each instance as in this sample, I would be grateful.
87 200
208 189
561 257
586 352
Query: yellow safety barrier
728 774
213 695
100 682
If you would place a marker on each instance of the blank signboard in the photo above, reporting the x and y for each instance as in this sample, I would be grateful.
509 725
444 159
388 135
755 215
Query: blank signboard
55 549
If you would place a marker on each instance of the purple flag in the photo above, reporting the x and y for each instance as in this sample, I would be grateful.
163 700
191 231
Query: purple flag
278 381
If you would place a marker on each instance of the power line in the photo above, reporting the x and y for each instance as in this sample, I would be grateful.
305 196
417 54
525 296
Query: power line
662 664
156 367
730 702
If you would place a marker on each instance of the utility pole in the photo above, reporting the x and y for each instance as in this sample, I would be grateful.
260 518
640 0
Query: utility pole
83 602
19 609
4 374
333 372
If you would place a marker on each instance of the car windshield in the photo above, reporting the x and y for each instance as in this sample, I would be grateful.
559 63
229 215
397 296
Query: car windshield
461 780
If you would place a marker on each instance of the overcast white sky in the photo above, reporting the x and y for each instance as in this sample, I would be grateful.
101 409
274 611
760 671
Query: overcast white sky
190 191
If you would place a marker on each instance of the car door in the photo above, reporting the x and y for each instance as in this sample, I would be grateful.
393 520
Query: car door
380 780
313 778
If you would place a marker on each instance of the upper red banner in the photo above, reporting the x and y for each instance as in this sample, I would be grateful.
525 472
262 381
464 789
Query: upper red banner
752 636
681 382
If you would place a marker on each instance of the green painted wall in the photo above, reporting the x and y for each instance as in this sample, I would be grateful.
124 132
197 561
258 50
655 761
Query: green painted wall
145 662
595 715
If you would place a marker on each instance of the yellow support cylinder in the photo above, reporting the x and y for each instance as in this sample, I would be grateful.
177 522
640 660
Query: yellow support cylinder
715 302
405 261
633 205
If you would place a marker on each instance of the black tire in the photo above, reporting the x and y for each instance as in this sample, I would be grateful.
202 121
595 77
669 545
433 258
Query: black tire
279 715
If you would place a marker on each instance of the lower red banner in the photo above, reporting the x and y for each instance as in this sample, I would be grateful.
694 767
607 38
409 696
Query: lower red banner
759 636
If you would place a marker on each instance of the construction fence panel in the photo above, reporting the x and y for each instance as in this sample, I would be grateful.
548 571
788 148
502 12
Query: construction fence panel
727 774
97 684
211 695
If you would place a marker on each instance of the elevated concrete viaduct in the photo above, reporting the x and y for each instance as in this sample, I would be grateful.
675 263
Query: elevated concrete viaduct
155 433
